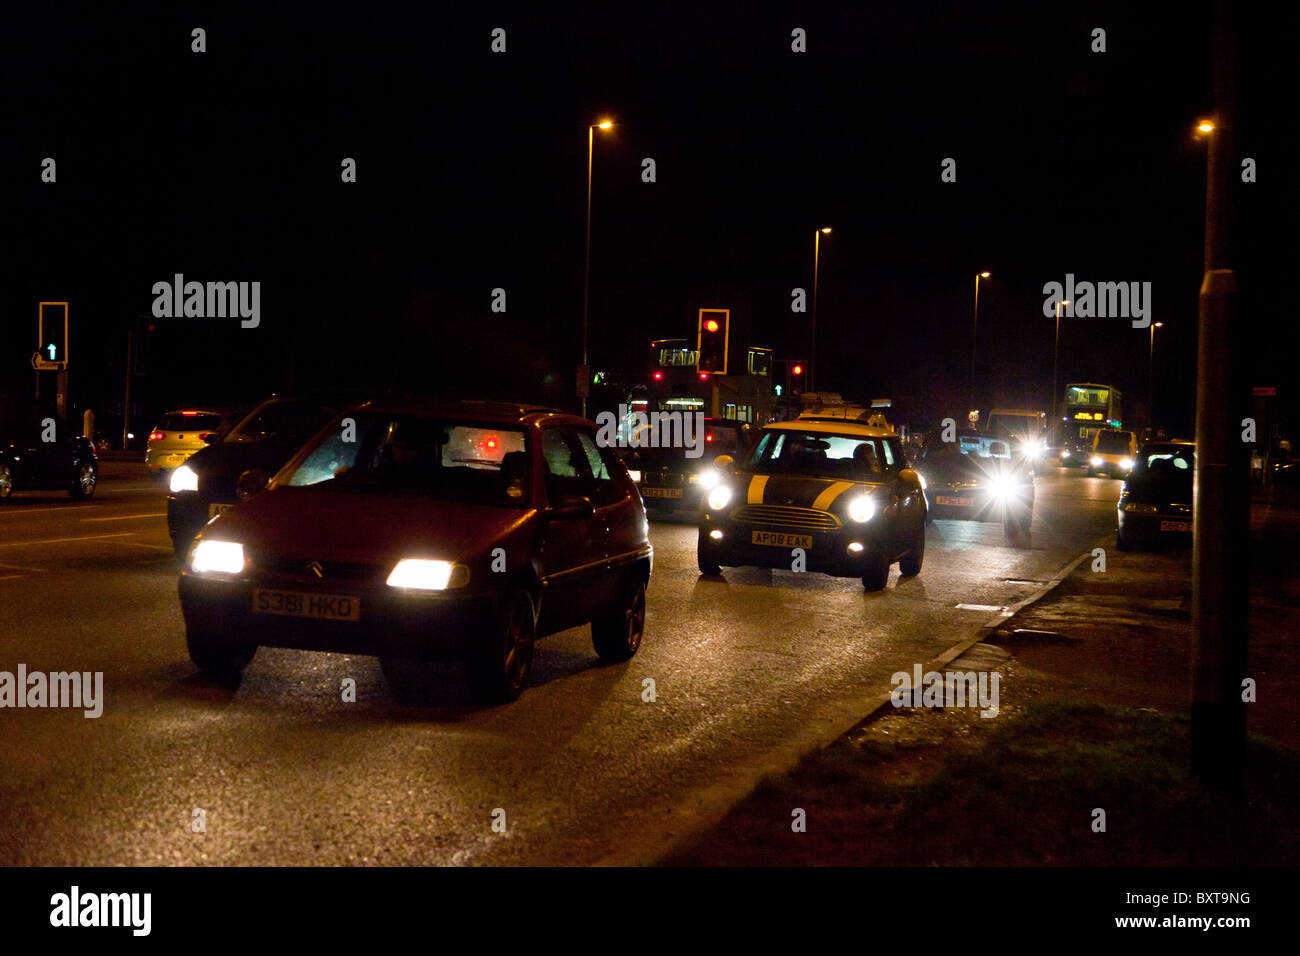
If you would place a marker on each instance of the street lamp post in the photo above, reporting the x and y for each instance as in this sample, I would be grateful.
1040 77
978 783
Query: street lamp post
974 333
812 358
1151 366
586 261
1056 351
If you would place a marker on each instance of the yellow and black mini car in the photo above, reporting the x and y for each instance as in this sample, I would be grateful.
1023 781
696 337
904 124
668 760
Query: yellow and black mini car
836 497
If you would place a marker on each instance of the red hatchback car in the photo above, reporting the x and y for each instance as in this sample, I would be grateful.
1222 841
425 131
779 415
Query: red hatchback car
427 531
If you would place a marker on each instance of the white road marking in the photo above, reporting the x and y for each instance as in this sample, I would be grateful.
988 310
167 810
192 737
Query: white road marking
159 514
87 537
980 607
6 512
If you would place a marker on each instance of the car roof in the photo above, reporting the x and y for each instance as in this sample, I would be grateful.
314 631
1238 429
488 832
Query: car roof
836 427
520 413
1151 442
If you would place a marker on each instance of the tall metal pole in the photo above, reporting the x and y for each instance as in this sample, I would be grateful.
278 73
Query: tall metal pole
1151 377
1056 351
1221 501
973 334
812 359
586 261
126 404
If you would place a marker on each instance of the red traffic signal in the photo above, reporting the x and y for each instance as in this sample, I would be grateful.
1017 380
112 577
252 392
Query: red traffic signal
711 325
797 370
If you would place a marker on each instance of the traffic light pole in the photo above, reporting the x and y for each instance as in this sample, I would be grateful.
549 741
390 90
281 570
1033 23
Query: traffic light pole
126 404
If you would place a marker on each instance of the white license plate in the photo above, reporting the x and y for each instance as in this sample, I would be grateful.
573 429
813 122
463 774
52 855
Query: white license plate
1175 526
216 509
661 492
329 607
949 500
780 539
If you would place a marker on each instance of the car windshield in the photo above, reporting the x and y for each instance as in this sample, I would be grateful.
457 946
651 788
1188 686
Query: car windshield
415 454
1015 426
821 455
1179 460
967 447
1113 443
294 421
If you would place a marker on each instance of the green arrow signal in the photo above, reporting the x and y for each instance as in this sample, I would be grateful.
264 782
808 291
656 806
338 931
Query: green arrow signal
52 349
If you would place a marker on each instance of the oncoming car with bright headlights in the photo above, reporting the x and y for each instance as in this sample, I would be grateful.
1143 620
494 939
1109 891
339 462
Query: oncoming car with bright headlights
427 531
978 478
670 481
840 492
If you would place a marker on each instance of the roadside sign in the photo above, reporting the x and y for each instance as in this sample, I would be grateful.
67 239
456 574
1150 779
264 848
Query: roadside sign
1261 391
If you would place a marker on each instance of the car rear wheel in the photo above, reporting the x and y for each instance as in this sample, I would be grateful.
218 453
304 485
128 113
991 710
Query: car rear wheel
616 634
1122 543
215 658
707 557
497 669
876 575
84 485
910 564
6 482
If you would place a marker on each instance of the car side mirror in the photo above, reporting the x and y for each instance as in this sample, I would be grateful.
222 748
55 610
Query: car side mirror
250 483
723 461
571 507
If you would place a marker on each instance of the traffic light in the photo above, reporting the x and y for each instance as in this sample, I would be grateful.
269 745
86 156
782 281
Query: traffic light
794 375
713 341
54 331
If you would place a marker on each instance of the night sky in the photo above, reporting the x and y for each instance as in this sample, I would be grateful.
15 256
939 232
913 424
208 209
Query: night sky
225 166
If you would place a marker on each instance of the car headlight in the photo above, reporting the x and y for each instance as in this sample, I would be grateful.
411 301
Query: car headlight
719 497
1096 461
1126 463
707 479
184 478
862 508
219 557
634 475
1002 486
1066 453
421 574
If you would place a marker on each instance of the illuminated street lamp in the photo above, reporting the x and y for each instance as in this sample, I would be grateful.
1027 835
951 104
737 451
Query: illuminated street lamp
586 263
973 334
812 358
1151 365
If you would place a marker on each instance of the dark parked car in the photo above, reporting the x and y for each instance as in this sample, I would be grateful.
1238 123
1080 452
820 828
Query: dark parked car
46 453
243 460
839 491
978 478
441 530
1155 503
670 481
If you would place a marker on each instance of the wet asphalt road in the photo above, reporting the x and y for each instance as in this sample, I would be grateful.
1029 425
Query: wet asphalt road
287 773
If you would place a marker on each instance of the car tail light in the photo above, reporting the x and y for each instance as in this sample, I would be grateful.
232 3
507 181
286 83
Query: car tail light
156 435
207 436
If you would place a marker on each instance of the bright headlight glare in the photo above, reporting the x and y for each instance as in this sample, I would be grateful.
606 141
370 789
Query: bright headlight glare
184 478
421 574
708 479
219 557
719 497
634 475
1096 461
1126 463
862 508
1065 454
1003 486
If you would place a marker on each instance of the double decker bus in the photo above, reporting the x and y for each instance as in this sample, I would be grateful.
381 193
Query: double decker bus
1087 409
675 383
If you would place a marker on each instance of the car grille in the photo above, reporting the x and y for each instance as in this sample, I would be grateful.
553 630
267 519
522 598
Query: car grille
340 571
806 519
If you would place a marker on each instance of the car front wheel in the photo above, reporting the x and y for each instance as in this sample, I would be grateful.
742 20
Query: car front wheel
910 564
876 575
215 658
616 634
497 669
84 485
707 557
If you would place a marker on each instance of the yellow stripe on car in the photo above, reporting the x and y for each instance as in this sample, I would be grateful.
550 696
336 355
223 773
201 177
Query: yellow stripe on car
756 488
824 500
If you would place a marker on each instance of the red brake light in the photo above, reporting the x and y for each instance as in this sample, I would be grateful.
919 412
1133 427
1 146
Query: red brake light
704 376
156 435
189 413
658 376
708 436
